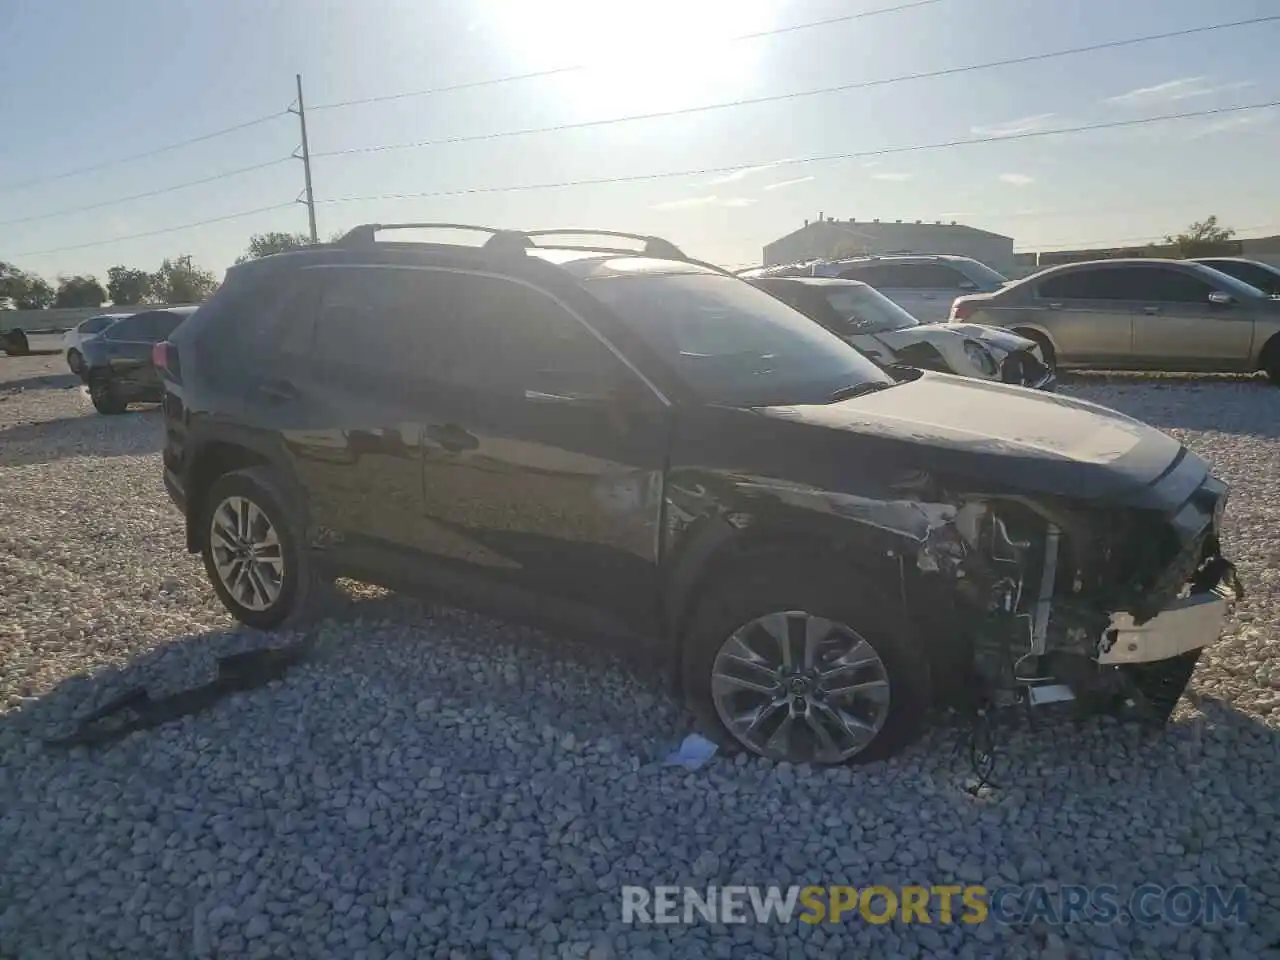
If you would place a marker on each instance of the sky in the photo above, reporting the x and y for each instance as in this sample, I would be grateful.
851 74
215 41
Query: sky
90 84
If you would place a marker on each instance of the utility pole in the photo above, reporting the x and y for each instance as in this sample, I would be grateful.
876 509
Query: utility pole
305 157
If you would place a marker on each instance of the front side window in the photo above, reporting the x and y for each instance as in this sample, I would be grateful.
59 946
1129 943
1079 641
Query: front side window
733 343
864 310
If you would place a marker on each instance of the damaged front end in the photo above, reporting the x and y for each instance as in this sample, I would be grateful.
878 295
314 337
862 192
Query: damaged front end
1106 606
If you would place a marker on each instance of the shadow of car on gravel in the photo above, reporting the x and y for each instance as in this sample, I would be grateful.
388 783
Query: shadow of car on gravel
44 381
91 435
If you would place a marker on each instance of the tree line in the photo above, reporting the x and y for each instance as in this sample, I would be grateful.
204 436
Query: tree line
178 280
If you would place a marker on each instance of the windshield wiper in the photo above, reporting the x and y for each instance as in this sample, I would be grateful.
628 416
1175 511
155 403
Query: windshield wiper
859 390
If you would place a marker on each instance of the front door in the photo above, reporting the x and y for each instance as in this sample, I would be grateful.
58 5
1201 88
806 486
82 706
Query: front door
1176 326
542 453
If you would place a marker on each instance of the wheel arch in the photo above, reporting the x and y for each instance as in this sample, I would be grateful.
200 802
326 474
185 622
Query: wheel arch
1033 331
1269 355
217 456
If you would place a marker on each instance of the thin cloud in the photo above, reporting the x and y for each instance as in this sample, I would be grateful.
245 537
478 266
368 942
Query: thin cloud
892 177
711 200
786 183
1012 128
1238 122
1016 179
1169 90
1174 91
742 174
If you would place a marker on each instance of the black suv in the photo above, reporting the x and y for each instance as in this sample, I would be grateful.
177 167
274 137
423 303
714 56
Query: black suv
637 444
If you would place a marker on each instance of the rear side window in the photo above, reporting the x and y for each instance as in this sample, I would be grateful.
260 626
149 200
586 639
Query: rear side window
1077 285
95 325
450 327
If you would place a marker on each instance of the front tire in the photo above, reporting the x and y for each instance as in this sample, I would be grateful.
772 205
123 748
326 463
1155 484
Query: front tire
106 398
254 553
1271 360
1047 353
805 665
75 361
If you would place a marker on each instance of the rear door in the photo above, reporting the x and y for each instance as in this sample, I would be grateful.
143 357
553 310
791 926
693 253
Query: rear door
158 326
1086 313
1176 326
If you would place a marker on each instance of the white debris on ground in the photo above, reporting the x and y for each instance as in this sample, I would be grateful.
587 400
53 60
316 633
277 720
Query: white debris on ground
439 784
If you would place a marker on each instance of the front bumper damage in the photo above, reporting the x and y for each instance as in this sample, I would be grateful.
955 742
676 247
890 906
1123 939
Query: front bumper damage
1110 609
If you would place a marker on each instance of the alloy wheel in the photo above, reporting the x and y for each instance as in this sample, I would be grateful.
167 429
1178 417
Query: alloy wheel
247 553
797 687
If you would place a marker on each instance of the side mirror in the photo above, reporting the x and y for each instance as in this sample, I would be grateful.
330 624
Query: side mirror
1220 299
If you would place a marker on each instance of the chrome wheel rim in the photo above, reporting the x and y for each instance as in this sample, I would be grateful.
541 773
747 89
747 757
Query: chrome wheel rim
801 688
247 553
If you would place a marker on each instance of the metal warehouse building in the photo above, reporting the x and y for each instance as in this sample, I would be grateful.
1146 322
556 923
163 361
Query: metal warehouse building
829 237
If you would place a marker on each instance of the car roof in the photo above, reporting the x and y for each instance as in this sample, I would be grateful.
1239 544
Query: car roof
905 258
813 281
505 250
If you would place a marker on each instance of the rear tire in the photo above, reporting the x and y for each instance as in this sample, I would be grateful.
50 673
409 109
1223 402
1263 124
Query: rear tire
870 711
105 396
275 583
15 343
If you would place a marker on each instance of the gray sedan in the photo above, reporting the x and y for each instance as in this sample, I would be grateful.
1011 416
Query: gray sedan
1139 314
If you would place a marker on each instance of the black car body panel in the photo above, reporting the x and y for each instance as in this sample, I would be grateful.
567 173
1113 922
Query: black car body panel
609 502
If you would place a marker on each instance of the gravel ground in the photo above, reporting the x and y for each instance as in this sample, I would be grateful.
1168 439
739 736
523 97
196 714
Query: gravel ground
438 784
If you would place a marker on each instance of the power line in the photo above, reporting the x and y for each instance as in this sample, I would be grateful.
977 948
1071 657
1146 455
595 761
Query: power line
556 71
154 233
1052 246
149 193
4 188
775 98
858 155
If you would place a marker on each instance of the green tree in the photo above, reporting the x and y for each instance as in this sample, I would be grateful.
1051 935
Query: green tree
79 291
265 244
178 281
23 291
127 286
1202 238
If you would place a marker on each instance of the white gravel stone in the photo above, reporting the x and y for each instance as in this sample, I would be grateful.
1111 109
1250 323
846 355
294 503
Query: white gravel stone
437 784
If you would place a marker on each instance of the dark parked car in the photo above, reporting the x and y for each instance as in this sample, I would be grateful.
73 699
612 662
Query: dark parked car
635 444
117 363
1253 272
884 331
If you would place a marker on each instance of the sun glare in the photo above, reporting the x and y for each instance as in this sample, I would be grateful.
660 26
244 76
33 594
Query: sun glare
658 55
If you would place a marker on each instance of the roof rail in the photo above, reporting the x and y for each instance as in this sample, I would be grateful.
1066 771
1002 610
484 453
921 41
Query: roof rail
366 234
653 246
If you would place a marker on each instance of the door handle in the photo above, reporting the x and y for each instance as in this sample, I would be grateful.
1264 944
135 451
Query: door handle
278 390
1055 306
1150 311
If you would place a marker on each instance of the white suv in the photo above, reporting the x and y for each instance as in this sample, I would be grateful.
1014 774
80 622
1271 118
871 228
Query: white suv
923 285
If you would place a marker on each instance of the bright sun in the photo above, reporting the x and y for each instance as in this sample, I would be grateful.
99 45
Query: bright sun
657 55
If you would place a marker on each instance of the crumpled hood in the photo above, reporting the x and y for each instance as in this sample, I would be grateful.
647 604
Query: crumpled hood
1002 436
937 333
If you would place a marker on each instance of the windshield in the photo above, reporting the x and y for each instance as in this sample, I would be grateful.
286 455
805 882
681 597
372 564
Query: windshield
983 275
733 343
865 310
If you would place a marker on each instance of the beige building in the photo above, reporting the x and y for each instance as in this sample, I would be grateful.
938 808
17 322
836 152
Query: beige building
828 237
